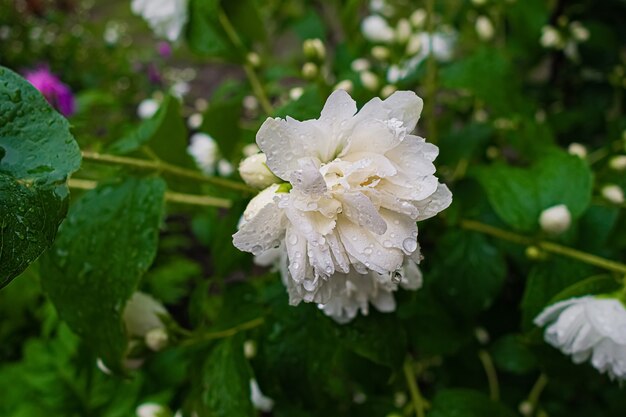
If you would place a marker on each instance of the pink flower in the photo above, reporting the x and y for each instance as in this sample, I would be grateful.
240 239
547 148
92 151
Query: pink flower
53 89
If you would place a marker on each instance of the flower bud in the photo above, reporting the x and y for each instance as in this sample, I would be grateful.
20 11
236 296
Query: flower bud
314 49
388 90
578 31
255 173
309 70
369 80
613 193
345 85
251 149
249 349
380 53
482 335
556 219
403 31
550 37
399 399
225 168
156 339
414 45
147 108
376 29
534 253
479 2
418 18
577 149
152 410
618 163
195 121
484 28
360 65
142 313
295 93
203 149
526 408
253 59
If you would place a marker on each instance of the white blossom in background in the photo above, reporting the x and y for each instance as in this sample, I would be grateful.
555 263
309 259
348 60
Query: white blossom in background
556 219
147 108
613 193
618 163
577 149
589 328
403 30
442 49
346 85
579 32
360 65
225 168
369 80
250 149
203 149
354 292
260 401
484 28
195 121
152 410
551 38
166 18
255 173
358 182
180 89
142 314
418 18
375 28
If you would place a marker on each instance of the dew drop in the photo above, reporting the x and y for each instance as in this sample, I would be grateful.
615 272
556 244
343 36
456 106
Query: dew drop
409 245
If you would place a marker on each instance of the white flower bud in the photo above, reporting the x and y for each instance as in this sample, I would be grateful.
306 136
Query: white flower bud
260 401
314 49
577 149
613 193
249 349
369 80
360 65
251 149
259 201
295 93
147 108
345 85
550 37
479 2
414 45
376 29
618 163
225 168
418 18
152 410
255 173
157 339
203 149
309 70
253 59
250 103
579 32
556 219
201 104
403 31
482 335
195 121
142 314
380 53
525 408
484 28
388 90
359 397
399 399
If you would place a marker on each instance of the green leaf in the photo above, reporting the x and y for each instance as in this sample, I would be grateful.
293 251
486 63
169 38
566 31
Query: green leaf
227 381
378 337
37 153
510 354
205 35
469 271
221 121
466 403
107 243
519 195
164 133
599 284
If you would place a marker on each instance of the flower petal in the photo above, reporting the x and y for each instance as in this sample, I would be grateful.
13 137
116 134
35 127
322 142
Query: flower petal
263 232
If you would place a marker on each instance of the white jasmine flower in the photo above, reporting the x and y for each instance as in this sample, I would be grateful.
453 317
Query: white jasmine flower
255 173
403 31
369 80
142 314
345 85
260 401
613 193
354 292
165 17
556 219
225 168
577 149
151 410
618 163
376 29
358 183
203 149
589 328
442 49
484 28
579 32
551 38
147 108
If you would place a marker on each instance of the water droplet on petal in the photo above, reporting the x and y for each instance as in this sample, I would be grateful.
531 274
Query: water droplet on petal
409 245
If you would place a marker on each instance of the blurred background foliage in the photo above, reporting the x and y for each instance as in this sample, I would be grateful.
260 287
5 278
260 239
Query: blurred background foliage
522 122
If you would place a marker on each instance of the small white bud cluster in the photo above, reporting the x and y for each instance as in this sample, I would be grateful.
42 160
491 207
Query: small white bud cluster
555 220
565 36
255 173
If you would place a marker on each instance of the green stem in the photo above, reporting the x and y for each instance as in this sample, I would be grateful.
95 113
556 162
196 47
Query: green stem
166 168
416 395
492 376
545 245
255 83
222 334
431 74
535 392
170 196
